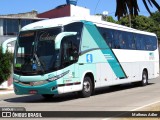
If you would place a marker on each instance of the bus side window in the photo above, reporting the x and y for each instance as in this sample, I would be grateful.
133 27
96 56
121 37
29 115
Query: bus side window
107 35
122 40
154 43
116 39
149 43
143 42
130 41
140 42
137 42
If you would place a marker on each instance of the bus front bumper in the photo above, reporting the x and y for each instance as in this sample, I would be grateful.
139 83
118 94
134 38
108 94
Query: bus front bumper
48 88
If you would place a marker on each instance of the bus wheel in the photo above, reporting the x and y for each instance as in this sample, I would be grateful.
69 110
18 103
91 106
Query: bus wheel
144 81
47 96
87 87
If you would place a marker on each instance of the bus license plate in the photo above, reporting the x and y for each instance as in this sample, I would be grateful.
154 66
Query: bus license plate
33 92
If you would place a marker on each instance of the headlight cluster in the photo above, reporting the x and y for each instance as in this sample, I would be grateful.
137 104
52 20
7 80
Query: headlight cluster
31 83
36 83
58 76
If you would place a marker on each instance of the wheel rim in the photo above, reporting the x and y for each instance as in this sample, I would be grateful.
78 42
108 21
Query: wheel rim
144 78
86 86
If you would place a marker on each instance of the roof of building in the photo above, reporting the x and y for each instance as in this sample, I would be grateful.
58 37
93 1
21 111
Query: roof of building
28 15
60 11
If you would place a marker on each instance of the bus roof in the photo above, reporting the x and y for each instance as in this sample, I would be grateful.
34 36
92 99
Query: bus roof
49 23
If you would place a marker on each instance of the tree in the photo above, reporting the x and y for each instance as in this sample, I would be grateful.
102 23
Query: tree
156 18
5 65
140 23
110 19
143 23
125 7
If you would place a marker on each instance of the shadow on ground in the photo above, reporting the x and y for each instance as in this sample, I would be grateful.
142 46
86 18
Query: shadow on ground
69 96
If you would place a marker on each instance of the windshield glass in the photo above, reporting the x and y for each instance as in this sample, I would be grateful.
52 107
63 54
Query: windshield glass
36 53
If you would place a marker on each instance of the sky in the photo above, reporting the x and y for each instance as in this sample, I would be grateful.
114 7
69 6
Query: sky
95 6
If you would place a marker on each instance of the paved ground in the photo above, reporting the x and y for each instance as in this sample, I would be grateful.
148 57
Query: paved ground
6 91
124 98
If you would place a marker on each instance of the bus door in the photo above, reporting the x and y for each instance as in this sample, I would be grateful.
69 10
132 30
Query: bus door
69 51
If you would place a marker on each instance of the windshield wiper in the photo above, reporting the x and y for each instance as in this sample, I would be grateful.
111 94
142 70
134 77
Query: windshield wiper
39 63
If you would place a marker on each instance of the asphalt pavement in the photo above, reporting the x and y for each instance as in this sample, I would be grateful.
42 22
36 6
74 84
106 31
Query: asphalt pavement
127 97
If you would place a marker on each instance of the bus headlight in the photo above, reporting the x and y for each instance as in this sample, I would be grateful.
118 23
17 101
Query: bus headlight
58 76
38 83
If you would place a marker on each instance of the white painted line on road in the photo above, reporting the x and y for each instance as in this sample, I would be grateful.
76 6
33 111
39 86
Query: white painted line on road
145 106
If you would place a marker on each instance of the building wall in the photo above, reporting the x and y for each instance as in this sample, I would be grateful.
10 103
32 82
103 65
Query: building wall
1 27
79 11
61 11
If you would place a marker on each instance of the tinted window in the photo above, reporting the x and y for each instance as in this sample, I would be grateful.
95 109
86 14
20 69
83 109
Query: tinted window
154 42
145 42
140 42
119 40
107 34
130 41
126 40
75 27
150 42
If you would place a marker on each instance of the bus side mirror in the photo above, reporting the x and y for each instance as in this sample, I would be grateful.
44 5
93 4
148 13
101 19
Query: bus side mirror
4 44
60 36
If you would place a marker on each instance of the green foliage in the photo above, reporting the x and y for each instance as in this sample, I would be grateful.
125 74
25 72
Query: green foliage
139 22
5 65
125 7
156 18
110 19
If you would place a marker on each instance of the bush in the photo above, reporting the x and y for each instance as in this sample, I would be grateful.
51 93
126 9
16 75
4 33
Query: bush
5 65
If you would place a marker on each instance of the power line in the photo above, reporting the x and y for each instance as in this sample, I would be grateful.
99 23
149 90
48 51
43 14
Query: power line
96 6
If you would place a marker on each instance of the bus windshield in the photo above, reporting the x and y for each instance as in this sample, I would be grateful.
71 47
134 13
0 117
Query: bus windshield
36 53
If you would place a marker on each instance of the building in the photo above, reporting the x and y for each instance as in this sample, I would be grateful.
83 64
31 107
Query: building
11 24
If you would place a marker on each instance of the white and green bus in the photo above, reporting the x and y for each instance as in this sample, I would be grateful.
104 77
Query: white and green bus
71 54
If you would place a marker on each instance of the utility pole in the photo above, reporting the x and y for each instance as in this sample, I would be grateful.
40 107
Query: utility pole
130 23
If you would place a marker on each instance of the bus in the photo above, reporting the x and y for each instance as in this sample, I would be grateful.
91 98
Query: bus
72 54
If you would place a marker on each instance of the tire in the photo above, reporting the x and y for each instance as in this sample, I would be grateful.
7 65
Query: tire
144 81
87 87
47 96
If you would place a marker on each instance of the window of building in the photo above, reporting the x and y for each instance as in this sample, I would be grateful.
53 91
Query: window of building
10 27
